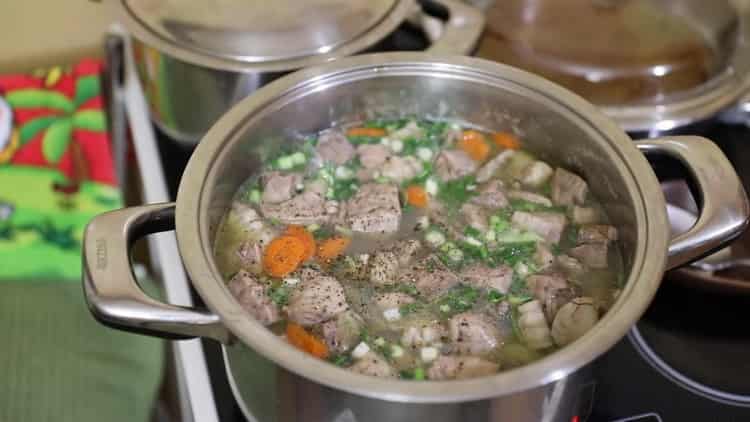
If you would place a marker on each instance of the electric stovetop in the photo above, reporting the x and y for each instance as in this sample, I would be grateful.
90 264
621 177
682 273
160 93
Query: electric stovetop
688 360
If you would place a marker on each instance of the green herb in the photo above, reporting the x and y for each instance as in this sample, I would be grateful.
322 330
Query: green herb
362 140
409 288
433 130
324 232
416 374
409 308
471 231
389 124
511 253
519 300
454 193
422 177
344 189
499 223
458 299
343 360
555 249
494 296
411 145
279 294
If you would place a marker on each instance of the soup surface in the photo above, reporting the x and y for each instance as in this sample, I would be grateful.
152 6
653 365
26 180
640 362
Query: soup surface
419 249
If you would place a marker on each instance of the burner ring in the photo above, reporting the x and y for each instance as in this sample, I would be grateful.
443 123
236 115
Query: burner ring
655 361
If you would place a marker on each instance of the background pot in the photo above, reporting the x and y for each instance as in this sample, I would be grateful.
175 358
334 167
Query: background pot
196 59
555 124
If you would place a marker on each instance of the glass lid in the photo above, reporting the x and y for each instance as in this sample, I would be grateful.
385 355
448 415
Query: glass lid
614 52
256 31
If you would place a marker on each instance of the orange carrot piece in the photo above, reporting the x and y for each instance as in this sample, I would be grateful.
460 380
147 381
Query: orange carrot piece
301 339
331 248
305 236
373 132
417 196
506 140
474 144
283 255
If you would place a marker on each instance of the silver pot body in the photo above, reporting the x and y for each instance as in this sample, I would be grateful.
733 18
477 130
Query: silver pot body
279 383
187 90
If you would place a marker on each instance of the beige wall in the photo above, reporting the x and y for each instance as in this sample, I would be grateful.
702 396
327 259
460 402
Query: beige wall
37 33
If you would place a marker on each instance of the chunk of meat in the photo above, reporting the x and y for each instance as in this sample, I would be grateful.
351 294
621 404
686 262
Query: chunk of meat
533 326
385 265
316 300
251 256
391 300
593 255
453 164
473 334
410 130
498 278
548 225
585 215
373 365
543 257
306 208
530 197
430 277
334 147
280 187
441 216
400 169
343 332
597 233
460 367
492 167
536 174
491 195
574 320
476 216
571 265
422 335
552 291
253 298
375 208
568 188
373 156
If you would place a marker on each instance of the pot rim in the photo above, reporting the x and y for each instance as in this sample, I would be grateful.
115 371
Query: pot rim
392 19
648 263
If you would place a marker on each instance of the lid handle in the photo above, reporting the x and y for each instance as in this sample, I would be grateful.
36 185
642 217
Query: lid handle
459 34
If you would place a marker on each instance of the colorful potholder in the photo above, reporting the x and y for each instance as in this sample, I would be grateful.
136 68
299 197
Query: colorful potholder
56 169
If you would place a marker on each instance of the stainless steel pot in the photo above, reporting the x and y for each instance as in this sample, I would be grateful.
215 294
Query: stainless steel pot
196 59
277 382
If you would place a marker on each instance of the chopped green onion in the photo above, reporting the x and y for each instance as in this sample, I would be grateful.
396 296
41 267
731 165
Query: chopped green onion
494 296
342 360
254 196
435 238
518 300
298 158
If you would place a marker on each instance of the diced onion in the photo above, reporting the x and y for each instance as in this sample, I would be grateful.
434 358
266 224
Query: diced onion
344 173
361 350
392 314
424 153
428 354
380 341
397 146
472 241
435 238
385 141
431 186
291 281
423 222
455 255
298 158
396 351
285 163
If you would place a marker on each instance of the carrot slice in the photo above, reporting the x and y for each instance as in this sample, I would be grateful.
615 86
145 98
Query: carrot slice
331 248
417 196
373 132
283 255
305 236
506 140
474 144
301 339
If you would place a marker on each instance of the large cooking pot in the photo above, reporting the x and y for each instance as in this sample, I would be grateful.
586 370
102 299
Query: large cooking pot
654 66
196 59
275 381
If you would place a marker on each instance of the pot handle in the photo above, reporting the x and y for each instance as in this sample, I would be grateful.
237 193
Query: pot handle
461 32
111 290
725 211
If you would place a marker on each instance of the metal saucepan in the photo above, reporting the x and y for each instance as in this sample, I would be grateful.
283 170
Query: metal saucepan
196 59
275 381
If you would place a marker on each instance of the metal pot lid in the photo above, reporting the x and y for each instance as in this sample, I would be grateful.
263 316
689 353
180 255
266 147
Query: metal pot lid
646 62
255 31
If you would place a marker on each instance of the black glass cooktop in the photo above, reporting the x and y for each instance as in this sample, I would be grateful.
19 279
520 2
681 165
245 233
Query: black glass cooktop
701 336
